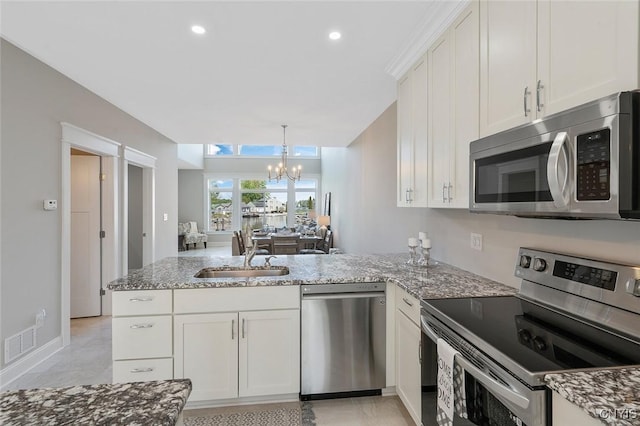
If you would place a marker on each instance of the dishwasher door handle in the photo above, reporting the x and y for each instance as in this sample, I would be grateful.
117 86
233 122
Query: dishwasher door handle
328 296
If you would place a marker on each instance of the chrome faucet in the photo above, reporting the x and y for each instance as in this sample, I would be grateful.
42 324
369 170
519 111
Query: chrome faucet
249 254
267 261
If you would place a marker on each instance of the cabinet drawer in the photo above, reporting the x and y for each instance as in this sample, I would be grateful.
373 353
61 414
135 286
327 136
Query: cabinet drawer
142 337
408 304
142 370
141 302
232 299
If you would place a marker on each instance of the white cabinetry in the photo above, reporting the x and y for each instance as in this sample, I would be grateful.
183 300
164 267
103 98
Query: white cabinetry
408 369
453 94
141 331
539 58
412 137
238 342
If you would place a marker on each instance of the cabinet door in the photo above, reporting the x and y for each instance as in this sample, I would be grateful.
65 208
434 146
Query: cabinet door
420 155
206 351
465 55
269 352
408 374
586 50
405 140
440 106
507 64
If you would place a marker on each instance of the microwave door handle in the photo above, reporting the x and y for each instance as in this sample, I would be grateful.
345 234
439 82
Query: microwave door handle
559 192
489 382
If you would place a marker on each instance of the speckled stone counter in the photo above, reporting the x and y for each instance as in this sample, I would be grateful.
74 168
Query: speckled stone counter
437 281
612 396
148 403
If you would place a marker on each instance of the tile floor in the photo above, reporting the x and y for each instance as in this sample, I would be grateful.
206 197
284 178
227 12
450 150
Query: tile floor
87 360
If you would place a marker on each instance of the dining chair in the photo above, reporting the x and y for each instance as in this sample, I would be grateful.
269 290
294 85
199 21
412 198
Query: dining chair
288 244
323 246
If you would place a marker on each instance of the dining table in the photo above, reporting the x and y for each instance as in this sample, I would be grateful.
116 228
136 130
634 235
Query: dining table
307 241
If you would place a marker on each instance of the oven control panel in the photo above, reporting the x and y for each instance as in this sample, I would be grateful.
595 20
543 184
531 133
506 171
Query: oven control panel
609 283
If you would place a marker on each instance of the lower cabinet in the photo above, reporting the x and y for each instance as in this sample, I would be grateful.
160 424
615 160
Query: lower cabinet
238 354
408 371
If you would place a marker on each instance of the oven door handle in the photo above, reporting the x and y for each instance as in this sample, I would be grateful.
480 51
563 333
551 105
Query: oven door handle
489 382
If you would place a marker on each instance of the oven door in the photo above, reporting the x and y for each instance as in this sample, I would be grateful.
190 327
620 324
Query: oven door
493 396
528 176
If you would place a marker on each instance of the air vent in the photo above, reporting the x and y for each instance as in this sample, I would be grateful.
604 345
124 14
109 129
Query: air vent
19 344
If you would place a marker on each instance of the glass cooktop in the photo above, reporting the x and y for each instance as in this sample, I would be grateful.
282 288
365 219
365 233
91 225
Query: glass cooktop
538 339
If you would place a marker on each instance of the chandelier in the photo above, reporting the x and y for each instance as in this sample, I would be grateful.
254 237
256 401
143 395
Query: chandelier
281 169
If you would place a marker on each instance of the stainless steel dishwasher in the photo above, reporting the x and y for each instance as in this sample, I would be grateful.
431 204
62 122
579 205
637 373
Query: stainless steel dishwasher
343 333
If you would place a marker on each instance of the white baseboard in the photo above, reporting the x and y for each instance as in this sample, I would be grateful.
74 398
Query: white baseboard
16 369
271 399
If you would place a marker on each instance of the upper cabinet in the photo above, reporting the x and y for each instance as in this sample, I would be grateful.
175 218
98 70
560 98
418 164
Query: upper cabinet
412 137
539 58
453 105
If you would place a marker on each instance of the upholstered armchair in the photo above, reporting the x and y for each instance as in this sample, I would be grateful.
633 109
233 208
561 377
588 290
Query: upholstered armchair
191 234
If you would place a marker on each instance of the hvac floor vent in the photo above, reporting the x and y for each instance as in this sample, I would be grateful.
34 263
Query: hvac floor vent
19 344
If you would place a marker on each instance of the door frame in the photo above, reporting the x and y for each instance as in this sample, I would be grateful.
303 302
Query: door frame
76 137
148 164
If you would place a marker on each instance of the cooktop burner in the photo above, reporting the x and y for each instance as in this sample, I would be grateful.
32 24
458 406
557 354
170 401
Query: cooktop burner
539 339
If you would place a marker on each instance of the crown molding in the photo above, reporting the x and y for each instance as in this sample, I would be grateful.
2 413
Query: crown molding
437 19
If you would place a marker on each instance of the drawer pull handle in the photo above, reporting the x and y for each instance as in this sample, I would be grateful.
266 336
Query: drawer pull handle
233 326
137 326
142 370
141 299
407 302
243 332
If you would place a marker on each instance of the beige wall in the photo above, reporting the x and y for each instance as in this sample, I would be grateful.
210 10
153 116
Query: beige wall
35 99
362 180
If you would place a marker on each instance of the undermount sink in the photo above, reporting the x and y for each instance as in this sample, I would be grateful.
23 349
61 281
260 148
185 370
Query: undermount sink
233 271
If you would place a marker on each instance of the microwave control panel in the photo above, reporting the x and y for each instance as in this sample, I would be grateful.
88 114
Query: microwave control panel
594 166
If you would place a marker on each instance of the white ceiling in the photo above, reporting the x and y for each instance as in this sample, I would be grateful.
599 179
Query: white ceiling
260 64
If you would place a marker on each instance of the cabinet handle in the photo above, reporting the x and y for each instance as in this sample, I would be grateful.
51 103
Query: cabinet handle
407 302
444 188
539 87
526 109
142 370
449 192
137 326
420 352
233 326
410 195
406 196
243 328
141 299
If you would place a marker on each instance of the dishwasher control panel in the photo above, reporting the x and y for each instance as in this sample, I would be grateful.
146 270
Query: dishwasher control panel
334 288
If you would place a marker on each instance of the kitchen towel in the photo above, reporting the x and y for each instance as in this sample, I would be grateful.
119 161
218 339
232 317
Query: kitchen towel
451 391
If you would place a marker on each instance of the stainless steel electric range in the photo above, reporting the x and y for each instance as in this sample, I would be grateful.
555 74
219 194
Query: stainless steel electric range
570 314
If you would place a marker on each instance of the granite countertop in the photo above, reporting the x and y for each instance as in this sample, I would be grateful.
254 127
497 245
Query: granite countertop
437 281
612 396
140 403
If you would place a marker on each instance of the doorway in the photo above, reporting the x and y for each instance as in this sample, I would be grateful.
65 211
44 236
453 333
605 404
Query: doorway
86 245
135 232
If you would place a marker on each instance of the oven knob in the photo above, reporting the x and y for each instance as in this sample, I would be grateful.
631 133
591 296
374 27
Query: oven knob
525 261
539 343
539 264
525 335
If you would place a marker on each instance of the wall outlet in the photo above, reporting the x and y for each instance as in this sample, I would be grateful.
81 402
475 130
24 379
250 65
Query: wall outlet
165 217
50 204
476 241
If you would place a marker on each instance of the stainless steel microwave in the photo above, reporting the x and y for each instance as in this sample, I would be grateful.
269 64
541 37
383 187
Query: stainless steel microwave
580 163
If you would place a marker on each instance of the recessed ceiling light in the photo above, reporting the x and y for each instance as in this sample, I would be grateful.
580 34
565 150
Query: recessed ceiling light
335 35
198 29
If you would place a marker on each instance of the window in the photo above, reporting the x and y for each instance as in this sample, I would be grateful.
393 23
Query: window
214 150
243 203
218 150
221 205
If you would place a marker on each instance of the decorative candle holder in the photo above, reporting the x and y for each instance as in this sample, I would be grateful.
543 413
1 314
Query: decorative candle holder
413 244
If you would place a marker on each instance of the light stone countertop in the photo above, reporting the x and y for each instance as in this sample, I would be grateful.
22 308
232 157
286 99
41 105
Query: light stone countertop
437 281
141 403
612 396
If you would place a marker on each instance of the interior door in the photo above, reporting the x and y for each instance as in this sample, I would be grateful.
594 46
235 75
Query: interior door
85 236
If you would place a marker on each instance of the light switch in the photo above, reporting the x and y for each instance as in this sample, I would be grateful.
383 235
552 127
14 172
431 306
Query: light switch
50 204
165 217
